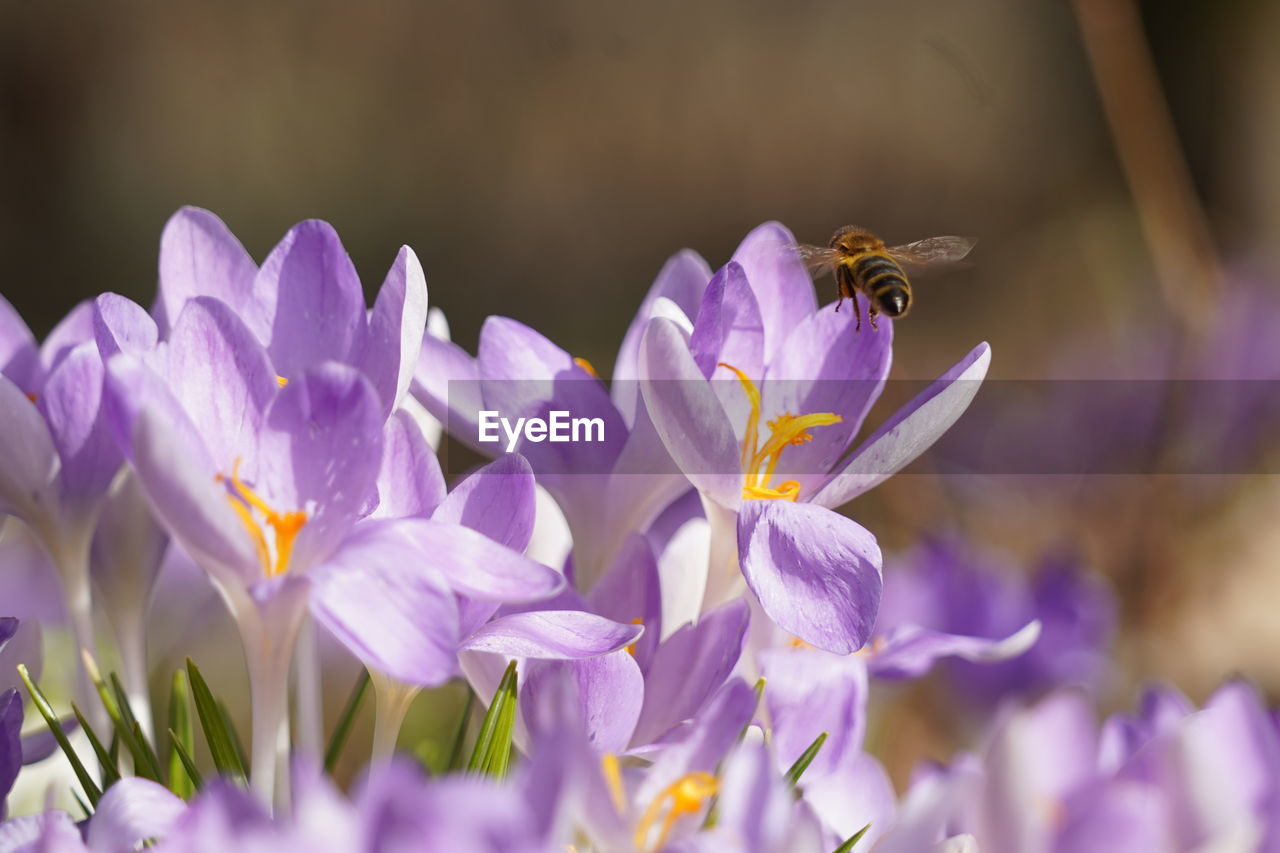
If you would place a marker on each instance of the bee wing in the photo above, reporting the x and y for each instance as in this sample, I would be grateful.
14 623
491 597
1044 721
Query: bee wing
818 259
933 250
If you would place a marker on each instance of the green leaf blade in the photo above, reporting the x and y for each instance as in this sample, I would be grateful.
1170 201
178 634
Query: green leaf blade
91 790
226 757
806 758
492 752
346 720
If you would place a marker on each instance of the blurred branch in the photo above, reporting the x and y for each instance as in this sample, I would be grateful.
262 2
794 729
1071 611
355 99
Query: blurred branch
1173 221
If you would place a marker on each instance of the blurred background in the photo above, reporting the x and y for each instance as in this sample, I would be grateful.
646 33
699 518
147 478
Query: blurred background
545 159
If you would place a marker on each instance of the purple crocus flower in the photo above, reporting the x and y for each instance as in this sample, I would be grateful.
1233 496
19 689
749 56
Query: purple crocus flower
769 457
949 599
57 458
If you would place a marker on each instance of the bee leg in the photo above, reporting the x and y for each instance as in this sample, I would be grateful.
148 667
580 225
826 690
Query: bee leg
871 316
857 312
839 295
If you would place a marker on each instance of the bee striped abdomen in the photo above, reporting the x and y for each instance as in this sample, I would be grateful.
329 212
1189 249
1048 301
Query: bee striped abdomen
884 283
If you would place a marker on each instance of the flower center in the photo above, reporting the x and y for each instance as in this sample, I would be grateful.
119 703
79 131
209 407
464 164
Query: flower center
284 526
760 460
685 796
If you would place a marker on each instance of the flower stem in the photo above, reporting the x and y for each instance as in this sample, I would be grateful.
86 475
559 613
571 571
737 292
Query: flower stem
393 701
309 692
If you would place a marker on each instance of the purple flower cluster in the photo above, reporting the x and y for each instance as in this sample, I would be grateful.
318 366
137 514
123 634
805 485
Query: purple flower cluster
693 626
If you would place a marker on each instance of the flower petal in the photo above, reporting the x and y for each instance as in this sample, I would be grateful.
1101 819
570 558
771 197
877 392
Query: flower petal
71 331
682 279
477 566
410 483
122 325
630 592
10 740
223 379
320 450
131 811
389 607
688 415
816 573
607 690
199 256
497 500
810 692
28 460
781 284
909 432
688 668
19 355
556 634
728 326
316 303
910 651
396 327
72 406
446 381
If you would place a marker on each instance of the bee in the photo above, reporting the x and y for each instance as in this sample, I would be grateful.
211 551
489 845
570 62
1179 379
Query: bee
862 264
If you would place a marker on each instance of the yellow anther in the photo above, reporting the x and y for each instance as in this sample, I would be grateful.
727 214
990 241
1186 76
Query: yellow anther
281 381
613 778
35 398
587 366
797 643
785 431
686 796
285 526
631 649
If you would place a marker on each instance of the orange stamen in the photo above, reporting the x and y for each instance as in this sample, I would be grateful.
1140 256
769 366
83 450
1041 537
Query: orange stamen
587 366
286 526
685 796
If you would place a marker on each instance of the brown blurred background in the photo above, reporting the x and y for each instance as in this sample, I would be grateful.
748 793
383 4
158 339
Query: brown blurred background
544 159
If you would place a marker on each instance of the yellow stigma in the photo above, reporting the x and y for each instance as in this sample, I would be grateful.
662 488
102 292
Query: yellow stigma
759 461
587 366
685 796
613 778
281 381
285 526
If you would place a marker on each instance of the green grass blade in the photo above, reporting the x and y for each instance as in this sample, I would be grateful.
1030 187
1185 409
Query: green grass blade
852 840
189 768
343 729
499 722
806 758
144 763
139 739
460 735
110 767
182 738
38 699
236 742
223 749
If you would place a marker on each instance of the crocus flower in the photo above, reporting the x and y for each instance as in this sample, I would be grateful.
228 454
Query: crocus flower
57 458
948 598
770 460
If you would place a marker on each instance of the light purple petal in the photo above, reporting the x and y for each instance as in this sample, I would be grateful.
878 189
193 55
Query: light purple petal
855 794
50 832
10 740
40 743
688 416
554 634
496 500
630 591
810 692
910 651
446 382
782 286
199 256
19 355
754 803
71 331
607 691
318 304
23 644
320 451
410 483
683 278
122 325
396 328
131 811
728 327
825 366
1116 816
222 377
176 471
477 566
72 406
816 573
688 668
382 599
28 460
910 432
525 375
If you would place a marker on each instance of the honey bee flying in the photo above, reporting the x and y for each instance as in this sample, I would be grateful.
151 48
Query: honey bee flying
862 264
